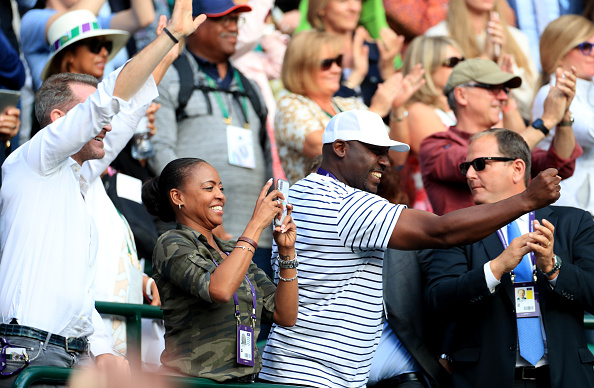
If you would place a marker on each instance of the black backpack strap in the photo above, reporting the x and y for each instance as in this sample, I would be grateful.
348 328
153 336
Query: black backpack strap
258 106
186 85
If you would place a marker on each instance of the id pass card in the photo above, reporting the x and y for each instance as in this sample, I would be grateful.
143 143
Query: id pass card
240 147
245 345
526 297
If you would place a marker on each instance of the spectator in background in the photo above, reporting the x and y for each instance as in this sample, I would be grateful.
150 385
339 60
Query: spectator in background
259 56
36 23
411 18
88 51
567 42
12 77
533 18
365 63
481 30
428 110
476 90
224 120
372 17
311 74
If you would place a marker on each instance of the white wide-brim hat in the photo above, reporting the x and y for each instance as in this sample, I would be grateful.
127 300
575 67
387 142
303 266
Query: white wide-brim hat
75 26
361 125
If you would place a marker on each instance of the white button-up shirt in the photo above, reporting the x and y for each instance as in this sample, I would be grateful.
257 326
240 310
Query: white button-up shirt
48 240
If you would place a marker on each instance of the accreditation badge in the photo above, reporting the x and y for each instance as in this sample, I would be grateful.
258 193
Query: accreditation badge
526 298
245 345
240 147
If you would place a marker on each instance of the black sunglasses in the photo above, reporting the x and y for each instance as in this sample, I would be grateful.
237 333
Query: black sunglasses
95 45
326 64
585 47
479 164
495 89
452 61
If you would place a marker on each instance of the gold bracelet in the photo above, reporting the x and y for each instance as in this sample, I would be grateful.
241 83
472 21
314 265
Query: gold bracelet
244 248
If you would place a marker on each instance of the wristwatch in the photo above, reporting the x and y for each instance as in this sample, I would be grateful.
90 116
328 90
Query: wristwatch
539 124
556 266
566 123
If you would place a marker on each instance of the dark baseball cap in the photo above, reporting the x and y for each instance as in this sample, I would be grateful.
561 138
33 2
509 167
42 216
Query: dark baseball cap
482 71
217 8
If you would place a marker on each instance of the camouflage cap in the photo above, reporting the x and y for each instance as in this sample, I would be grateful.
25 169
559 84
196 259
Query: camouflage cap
482 71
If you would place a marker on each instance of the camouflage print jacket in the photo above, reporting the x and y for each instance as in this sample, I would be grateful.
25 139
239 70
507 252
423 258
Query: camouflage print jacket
200 335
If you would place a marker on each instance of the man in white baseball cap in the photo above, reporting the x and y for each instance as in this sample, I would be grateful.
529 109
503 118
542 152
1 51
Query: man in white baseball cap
344 230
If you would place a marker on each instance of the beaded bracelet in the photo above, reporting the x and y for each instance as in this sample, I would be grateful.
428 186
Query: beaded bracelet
244 248
249 241
289 280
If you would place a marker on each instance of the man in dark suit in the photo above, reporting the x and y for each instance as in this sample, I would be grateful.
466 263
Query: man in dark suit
404 356
475 285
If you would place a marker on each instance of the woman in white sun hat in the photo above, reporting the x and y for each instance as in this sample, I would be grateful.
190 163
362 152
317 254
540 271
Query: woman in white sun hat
80 45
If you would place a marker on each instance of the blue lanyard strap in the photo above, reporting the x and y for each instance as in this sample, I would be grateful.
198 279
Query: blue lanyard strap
236 300
323 172
531 218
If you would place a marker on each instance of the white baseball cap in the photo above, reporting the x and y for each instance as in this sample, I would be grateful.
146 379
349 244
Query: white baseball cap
361 125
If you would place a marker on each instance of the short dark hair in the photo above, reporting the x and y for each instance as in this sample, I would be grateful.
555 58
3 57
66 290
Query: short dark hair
56 93
155 192
511 145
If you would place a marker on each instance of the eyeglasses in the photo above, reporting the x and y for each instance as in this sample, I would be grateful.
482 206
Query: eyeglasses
452 61
495 89
95 45
326 64
585 47
229 19
479 164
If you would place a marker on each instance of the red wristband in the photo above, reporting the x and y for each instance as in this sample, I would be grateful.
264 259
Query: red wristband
249 241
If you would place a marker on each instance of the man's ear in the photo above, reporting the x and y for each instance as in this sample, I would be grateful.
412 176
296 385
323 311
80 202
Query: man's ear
56 114
519 171
461 96
340 148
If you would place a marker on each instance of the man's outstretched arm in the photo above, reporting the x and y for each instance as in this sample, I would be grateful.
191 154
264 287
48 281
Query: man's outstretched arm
417 229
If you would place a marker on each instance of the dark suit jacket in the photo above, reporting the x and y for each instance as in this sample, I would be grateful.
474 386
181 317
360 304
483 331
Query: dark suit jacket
404 288
485 335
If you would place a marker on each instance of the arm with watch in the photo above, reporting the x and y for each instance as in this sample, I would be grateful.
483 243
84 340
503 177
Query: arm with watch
563 149
555 110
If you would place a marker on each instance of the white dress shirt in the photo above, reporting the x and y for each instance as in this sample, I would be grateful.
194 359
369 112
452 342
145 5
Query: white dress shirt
48 240
578 189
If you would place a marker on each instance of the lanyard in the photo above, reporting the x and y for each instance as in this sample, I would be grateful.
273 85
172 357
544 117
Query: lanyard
336 107
531 218
236 300
219 98
323 172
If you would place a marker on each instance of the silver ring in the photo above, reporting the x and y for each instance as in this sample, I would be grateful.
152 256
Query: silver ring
279 201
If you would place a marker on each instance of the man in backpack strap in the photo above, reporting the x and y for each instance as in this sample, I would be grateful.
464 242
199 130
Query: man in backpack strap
220 121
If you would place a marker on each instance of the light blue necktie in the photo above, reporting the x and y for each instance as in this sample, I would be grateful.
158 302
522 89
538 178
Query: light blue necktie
529 332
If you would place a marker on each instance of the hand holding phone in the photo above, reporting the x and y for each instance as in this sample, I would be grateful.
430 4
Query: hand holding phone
282 186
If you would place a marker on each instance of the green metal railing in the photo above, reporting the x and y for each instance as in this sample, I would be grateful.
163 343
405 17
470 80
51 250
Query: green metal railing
133 314
57 375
